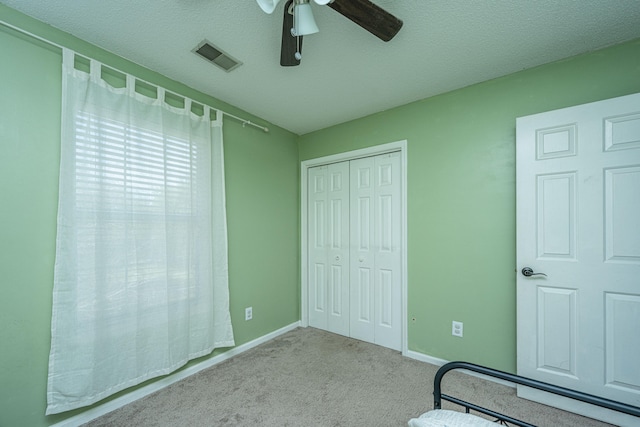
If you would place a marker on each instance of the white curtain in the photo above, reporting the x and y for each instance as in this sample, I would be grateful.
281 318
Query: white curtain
141 279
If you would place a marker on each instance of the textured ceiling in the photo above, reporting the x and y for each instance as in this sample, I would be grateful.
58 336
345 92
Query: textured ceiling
346 72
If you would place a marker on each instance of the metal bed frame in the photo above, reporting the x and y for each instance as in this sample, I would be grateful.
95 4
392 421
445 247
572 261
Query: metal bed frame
505 419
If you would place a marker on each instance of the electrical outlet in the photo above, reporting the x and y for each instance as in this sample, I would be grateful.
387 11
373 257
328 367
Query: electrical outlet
456 329
248 313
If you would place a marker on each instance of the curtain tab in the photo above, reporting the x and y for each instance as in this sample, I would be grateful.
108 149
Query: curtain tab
131 85
95 70
68 58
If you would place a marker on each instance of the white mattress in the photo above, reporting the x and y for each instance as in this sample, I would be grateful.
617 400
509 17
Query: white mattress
445 418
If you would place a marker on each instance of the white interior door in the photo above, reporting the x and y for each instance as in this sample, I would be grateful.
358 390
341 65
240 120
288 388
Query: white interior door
328 249
375 279
578 222
354 249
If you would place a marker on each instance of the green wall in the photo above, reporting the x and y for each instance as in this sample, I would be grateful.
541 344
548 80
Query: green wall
262 206
461 194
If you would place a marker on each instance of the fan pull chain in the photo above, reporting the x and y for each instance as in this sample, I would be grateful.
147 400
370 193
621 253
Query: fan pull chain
298 55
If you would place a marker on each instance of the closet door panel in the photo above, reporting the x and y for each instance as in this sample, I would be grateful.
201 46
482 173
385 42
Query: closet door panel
387 250
317 246
362 251
338 248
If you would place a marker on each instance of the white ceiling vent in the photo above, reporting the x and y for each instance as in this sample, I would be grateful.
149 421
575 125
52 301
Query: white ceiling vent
216 56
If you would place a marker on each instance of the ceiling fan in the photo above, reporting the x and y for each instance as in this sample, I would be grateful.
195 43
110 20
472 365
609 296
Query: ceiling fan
298 22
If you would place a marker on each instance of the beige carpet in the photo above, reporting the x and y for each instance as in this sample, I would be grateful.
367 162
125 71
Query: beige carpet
309 377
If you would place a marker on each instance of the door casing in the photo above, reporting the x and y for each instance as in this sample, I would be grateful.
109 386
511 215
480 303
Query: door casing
398 146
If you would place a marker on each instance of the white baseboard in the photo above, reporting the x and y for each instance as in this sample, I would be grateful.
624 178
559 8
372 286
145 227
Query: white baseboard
425 358
114 404
439 362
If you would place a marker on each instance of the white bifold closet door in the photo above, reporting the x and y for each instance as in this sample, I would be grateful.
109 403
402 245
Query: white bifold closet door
354 220
328 250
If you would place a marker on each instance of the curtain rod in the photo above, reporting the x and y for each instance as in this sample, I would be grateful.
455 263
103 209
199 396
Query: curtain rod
245 122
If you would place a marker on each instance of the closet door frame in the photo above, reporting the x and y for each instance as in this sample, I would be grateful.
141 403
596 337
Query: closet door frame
398 146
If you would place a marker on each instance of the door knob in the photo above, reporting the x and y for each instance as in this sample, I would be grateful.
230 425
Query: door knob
528 272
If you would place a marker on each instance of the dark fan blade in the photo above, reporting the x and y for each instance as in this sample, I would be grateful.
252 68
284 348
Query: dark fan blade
290 44
369 16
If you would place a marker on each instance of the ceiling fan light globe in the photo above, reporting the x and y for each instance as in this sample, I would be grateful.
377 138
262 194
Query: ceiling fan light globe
268 6
322 2
304 23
